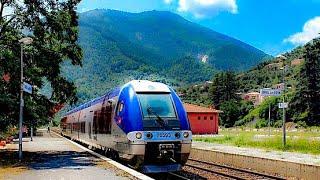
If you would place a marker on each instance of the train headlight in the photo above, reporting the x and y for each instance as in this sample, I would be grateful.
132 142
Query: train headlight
138 135
185 134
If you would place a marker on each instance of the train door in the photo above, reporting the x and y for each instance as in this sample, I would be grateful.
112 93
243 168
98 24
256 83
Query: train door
108 116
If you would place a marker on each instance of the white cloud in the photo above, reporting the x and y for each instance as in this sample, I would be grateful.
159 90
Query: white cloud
311 30
207 8
168 1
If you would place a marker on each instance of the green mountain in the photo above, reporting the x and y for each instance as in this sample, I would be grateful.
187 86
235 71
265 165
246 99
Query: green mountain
120 46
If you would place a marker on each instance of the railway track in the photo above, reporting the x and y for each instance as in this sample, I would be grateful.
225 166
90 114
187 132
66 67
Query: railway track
201 170
212 171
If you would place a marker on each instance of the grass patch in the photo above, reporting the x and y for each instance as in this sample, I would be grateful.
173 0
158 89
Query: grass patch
304 142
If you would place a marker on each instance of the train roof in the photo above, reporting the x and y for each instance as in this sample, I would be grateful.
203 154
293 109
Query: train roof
148 86
97 100
139 86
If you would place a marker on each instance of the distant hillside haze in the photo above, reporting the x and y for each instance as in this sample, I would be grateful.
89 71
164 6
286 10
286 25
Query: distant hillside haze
155 45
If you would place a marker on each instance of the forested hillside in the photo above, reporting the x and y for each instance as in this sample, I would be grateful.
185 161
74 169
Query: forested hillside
161 46
299 69
270 73
265 75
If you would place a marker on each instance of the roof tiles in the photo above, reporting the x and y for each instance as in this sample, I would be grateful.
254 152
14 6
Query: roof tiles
199 109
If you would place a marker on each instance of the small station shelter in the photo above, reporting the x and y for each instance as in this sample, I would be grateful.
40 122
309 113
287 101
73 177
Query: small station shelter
203 120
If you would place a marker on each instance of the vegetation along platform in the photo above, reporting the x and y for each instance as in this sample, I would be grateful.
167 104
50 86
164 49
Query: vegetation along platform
285 164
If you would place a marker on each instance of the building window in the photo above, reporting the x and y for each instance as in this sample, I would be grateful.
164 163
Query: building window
205 118
199 117
211 117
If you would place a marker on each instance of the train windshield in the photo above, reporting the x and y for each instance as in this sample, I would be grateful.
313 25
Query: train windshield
157 105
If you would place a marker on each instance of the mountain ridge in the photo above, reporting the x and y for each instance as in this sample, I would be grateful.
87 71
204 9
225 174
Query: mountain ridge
158 30
155 45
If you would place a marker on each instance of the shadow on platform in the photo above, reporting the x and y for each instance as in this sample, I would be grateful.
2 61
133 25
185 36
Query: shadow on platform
47 160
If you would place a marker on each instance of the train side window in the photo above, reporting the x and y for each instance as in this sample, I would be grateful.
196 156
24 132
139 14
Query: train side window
199 118
205 118
95 123
83 127
102 120
120 108
89 130
108 115
211 117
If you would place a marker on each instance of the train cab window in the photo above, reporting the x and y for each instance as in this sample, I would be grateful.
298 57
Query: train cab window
153 105
205 118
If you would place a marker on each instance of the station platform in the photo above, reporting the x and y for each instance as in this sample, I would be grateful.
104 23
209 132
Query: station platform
285 164
255 152
53 157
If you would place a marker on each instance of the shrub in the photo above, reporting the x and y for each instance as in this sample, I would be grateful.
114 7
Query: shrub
278 124
261 123
301 124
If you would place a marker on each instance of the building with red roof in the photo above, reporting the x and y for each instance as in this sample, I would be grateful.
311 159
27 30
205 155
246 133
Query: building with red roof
203 120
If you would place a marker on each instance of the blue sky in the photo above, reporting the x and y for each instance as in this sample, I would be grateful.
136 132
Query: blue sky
274 26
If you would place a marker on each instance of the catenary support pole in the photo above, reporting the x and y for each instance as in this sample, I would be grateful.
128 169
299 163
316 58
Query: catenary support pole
31 135
284 108
269 124
21 104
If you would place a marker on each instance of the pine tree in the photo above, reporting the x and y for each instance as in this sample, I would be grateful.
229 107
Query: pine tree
224 88
307 96
223 93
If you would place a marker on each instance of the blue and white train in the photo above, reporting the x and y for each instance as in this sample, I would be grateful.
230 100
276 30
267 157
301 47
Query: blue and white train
143 123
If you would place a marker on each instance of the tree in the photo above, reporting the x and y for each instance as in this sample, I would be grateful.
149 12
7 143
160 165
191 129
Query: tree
231 113
307 96
224 88
223 93
53 25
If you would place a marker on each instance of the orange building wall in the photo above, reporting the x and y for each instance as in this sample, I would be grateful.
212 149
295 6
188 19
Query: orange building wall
203 126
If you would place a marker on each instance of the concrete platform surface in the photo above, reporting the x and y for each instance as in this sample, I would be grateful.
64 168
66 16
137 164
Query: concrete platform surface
254 152
52 157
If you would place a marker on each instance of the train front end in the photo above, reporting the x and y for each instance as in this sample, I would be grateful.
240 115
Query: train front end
156 125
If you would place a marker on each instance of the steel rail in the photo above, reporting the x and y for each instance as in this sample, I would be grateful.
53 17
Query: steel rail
179 176
238 169
215 172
